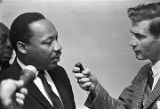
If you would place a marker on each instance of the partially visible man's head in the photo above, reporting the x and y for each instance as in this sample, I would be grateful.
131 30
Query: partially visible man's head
146 12
20 30
5 45
35 40
145 31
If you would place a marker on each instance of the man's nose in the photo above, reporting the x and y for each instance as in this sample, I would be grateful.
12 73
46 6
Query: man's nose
57 47
133 42
8 44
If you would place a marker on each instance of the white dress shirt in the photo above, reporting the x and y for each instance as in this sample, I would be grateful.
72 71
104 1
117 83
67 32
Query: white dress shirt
39 83
156 73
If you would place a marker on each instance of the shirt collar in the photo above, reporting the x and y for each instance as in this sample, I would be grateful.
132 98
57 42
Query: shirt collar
156 68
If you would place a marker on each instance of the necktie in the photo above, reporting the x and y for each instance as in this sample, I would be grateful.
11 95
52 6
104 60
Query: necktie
54 98
150 79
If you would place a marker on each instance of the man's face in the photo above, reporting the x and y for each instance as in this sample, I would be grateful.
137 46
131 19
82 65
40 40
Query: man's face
5 45
144 44
44 50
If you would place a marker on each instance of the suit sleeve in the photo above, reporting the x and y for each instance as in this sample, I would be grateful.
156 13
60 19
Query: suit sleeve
103 100
127 99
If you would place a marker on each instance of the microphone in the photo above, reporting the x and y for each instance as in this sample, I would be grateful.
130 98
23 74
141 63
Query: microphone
79 64
28 74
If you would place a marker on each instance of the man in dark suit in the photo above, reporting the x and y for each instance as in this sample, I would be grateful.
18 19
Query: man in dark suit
144 91
35 41
5 48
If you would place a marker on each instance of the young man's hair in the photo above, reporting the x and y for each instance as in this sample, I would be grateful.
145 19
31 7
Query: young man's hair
147 12
20 30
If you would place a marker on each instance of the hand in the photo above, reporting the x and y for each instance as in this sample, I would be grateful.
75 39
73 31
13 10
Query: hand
86 79
10 99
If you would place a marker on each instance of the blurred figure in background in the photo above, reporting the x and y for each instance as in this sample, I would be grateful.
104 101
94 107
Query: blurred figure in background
144 91
5 48
9 98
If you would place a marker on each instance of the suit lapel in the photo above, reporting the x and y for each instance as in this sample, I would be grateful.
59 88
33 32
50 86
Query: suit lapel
61 92
59 81
139 85
142 92
35 92
139 89
155 93
32 88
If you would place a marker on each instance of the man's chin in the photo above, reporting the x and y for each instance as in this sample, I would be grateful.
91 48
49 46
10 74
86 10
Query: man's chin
52 66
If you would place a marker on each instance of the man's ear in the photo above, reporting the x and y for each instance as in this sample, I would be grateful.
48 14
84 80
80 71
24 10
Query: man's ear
21 46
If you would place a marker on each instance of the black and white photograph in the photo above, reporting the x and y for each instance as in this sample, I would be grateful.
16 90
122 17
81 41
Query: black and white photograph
79 54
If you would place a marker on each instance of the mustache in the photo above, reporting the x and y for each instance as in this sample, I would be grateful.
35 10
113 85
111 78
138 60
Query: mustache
58 52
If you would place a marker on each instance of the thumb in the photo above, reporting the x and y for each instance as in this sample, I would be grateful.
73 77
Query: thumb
19 83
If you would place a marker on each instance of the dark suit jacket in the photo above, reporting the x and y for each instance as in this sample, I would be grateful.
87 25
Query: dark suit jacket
35 99
137 96
4 67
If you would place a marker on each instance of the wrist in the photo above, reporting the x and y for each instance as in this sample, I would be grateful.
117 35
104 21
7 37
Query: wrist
95 91
6 102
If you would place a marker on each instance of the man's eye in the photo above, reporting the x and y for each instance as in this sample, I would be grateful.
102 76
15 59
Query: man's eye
3 38
2 41
139 36
57 38
49 43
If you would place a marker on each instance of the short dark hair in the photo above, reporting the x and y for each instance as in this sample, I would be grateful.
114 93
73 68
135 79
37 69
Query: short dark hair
147 12
144 12
20 31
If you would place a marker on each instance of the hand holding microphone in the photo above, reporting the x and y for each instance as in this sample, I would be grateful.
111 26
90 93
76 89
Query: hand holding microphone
9 87
9 97
86 79
79 64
